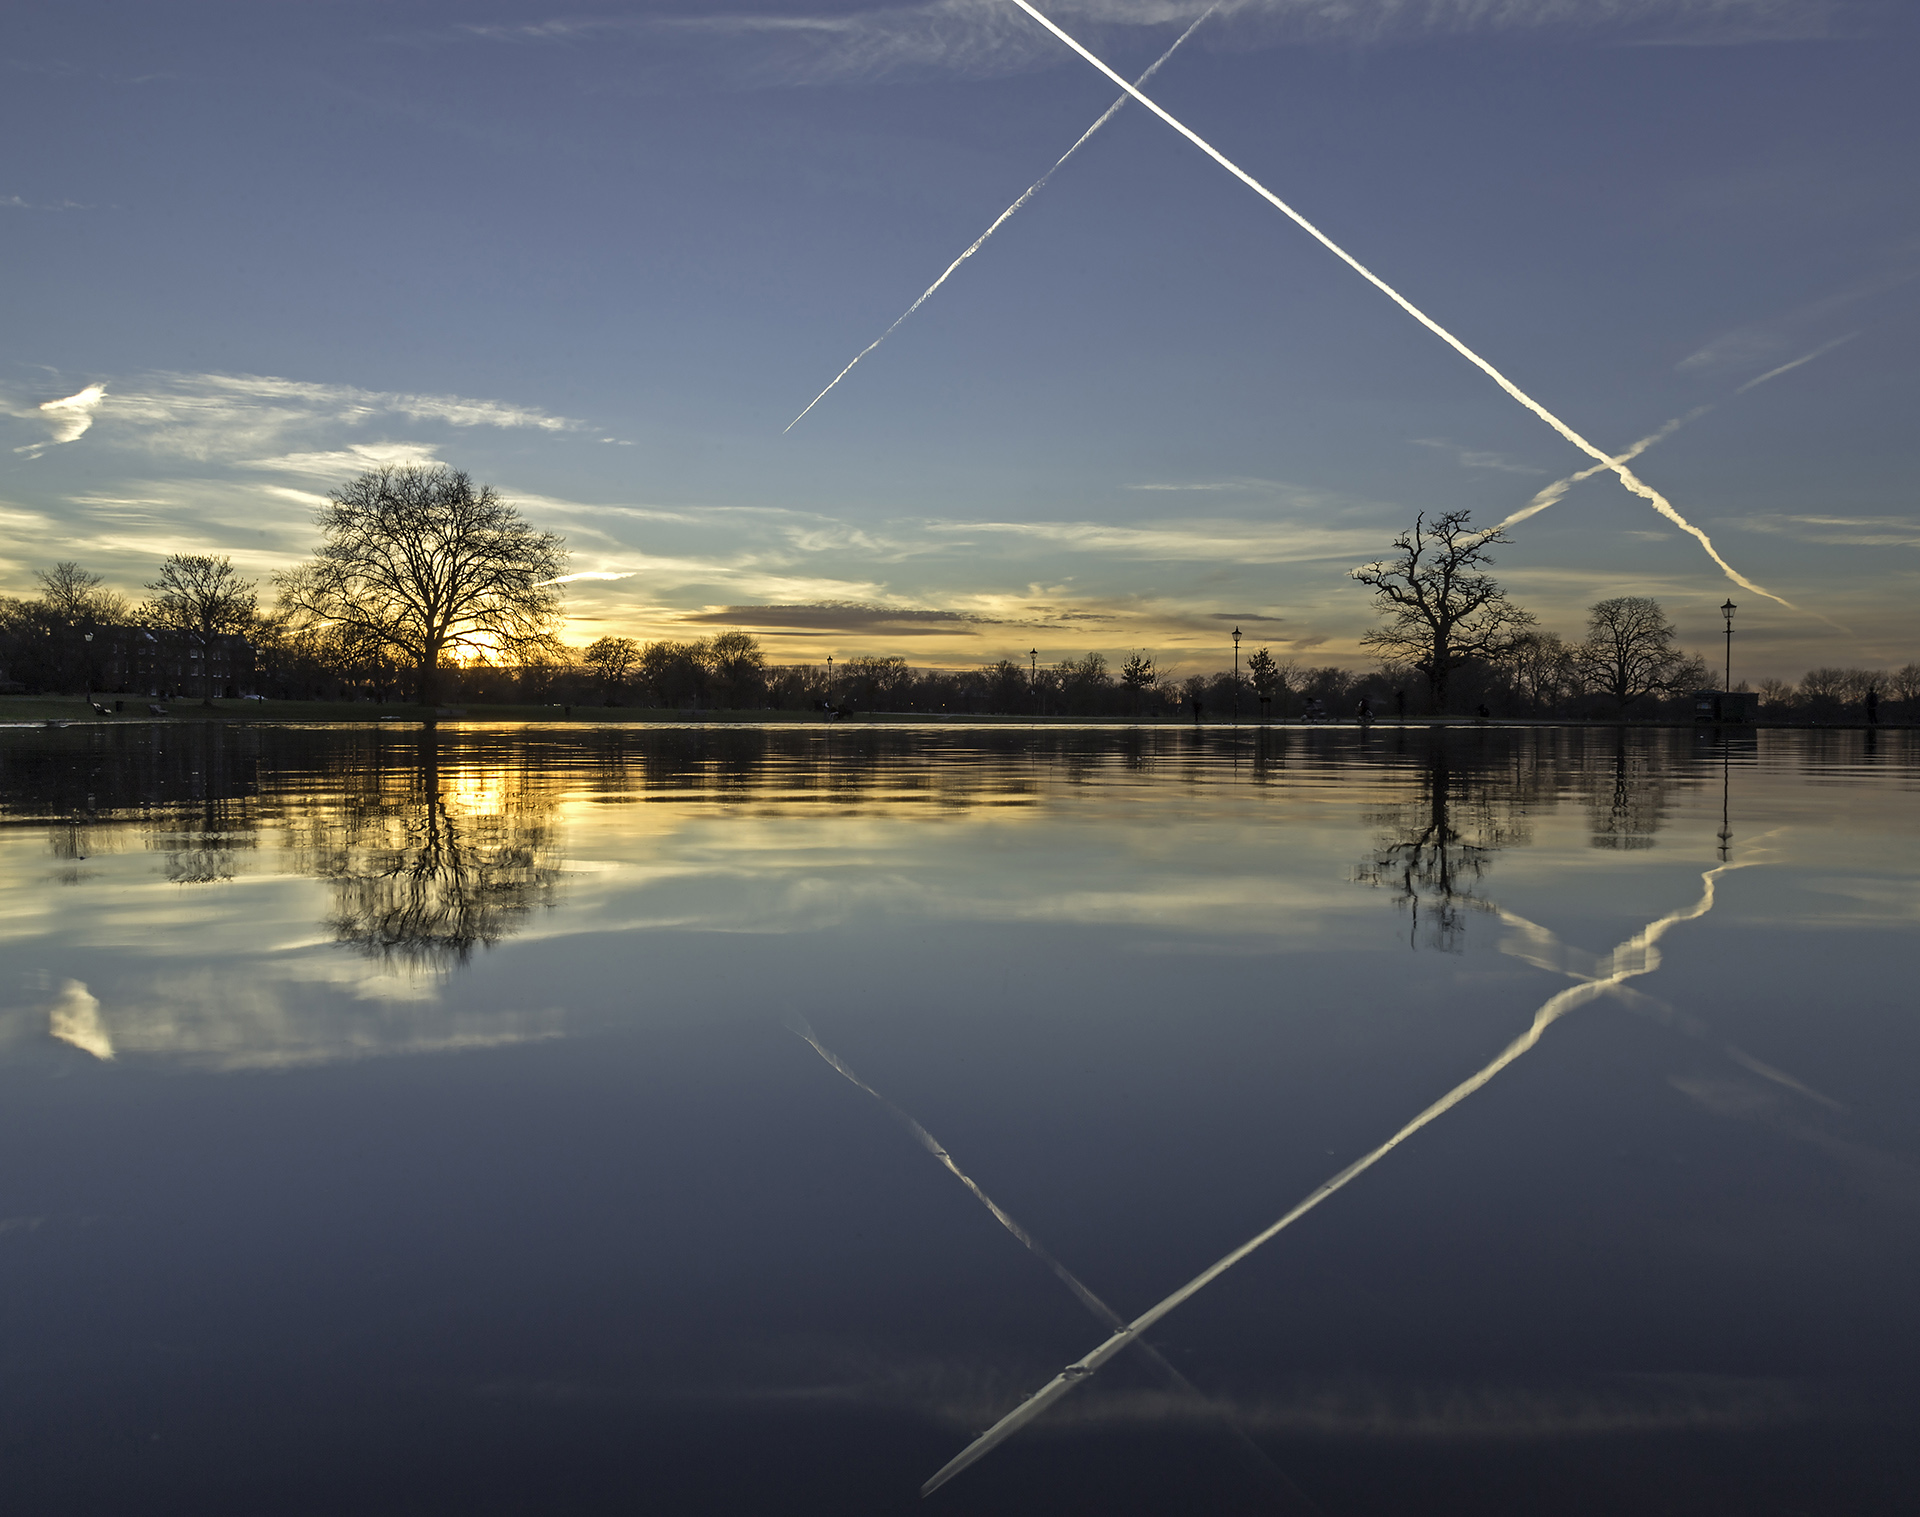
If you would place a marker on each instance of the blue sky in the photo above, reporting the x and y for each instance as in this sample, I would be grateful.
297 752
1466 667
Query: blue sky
600 255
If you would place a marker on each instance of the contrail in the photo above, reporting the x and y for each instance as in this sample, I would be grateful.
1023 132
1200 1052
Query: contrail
1637 956
1270 1472
1627 477
1828 347
1559 487
1033 189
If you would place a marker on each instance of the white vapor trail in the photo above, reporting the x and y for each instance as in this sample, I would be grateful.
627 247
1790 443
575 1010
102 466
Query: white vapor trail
1265 1467
1627 477
1559 487
1825 347
1033 189
1638 955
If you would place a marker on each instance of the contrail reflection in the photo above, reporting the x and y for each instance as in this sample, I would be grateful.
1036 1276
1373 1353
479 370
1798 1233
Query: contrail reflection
1271 1475
979 242
1542 948
1638 955
1627 477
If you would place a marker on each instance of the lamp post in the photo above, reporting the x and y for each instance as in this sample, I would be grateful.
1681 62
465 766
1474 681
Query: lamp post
1236 674
1727 611
829 681
1033 678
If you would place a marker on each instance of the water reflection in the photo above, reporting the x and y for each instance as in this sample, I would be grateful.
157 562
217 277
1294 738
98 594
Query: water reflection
429 859
1438 844
1638 955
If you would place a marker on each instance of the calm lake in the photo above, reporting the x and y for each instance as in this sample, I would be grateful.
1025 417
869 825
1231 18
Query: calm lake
397 1121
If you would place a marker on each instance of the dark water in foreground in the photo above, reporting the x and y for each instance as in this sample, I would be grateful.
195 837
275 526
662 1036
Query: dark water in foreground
401 1124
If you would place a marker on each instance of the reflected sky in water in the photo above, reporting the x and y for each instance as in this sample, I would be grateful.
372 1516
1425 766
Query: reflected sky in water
403 1120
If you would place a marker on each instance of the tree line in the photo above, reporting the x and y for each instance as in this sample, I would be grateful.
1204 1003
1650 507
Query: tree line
428 587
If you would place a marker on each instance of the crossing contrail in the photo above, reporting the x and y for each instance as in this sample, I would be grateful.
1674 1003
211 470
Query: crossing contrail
1627 477
1270 1473
999 221
1638 955
1559 487
1540 947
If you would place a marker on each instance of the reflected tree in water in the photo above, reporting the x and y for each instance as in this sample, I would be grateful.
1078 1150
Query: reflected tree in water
432 858
1435 849
1627 799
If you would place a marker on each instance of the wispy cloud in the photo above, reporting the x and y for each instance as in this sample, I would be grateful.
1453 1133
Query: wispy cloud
1235 486
1477 458
1241 542
247 417
983 40
1846 531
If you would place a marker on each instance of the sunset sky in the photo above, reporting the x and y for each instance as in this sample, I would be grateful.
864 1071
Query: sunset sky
599 255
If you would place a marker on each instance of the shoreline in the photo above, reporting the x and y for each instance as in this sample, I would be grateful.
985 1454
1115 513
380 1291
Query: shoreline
26 713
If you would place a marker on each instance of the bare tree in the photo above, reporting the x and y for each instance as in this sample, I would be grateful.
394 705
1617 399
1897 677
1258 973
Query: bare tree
433 565
1442 611
613 660
1544 669
200 598
1904 684
1629 651
75 596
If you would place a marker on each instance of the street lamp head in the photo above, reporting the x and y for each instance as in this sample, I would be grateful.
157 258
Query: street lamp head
1236 634
1727 611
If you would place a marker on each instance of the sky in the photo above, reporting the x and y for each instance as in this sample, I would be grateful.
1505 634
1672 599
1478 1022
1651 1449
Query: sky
600 255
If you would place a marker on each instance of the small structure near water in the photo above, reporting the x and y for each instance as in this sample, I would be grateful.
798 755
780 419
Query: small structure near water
1722 706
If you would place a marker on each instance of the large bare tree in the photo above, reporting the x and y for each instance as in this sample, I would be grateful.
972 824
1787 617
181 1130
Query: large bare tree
1629 651
433 565
1442 611
199 598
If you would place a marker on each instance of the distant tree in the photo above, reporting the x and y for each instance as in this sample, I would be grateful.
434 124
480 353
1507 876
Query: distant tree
676 673
1138 676
1903 684
199 598
873 682
74 596
1085 683
1442 611
1006 682
434 566
1778 695
1265 674
739 667
1543 669
613 661
1825 691
1629 651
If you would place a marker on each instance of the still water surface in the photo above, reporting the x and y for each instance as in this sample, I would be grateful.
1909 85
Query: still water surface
401 1122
